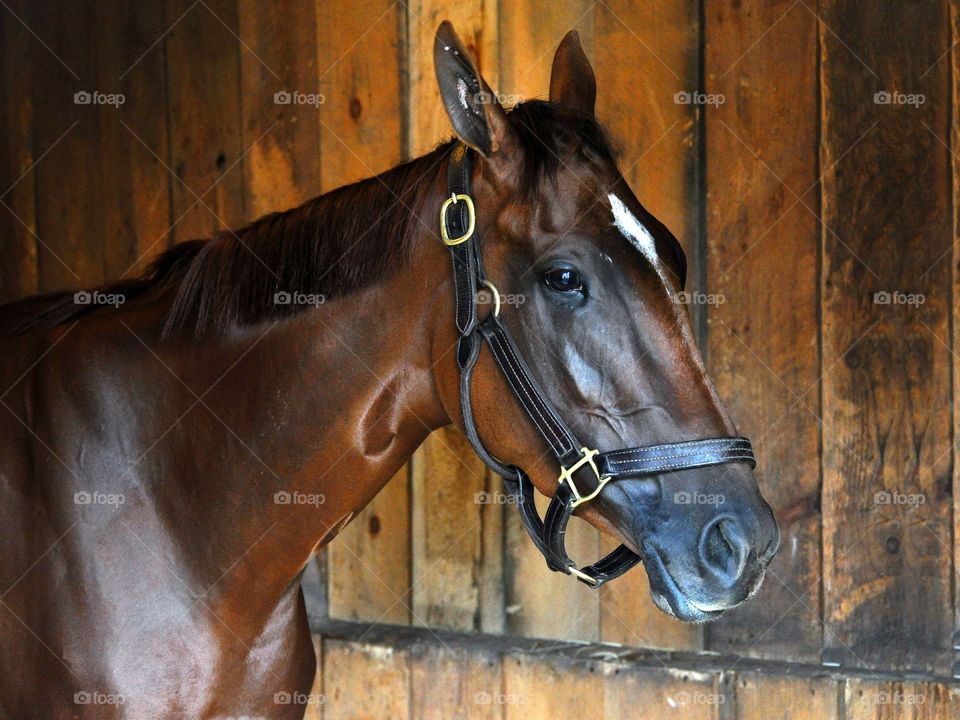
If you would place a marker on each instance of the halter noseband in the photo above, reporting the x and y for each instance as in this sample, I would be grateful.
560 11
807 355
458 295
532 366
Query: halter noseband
584 471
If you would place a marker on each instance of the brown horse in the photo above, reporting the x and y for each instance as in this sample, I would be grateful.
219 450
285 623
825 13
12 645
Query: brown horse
171 464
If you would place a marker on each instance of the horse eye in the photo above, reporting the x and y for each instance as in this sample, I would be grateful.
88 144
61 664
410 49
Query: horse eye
563 280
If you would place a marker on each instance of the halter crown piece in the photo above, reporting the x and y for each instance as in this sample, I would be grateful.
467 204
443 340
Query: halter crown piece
584 472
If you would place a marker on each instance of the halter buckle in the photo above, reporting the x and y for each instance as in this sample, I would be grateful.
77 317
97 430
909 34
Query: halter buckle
566 476
471 219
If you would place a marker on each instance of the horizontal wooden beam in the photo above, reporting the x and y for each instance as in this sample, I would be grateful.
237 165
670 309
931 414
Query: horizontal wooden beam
415 639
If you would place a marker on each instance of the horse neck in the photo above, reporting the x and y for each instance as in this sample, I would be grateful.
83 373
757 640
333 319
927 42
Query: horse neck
315 414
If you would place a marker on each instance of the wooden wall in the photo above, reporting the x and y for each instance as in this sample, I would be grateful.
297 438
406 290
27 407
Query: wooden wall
803 201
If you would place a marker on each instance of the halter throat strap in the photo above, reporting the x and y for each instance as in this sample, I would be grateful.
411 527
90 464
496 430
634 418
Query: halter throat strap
584 471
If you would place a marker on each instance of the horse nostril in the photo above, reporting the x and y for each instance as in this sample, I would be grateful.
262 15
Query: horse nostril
724 549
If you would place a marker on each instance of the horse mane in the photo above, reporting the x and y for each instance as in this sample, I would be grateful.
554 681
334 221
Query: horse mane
332 245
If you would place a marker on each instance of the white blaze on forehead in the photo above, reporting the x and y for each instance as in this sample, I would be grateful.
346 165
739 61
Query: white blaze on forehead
635 233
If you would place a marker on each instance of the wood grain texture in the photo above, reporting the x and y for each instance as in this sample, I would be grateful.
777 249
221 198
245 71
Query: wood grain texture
954 260
364 682
529 35
73 249
885 365
547 688
660 693
18 272
450 502
452 685
762 338
369 562
279 63
206 150
134 188
764 697
358 72
869 700
643 54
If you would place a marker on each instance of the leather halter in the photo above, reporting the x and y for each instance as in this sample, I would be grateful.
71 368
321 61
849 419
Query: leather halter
584 471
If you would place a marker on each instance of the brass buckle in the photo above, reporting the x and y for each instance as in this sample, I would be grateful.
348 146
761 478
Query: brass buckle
566 475
471 219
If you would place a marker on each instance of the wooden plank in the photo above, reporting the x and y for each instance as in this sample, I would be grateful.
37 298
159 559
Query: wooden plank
314 709
661 693
954 260
364 682
529 35
281 104
134 192
369 562
69 222
450 500
450 574
643 54
358 73
18 272
866 700
771 697
762 339
203 67
886 368
551 688
455 685
541 603
476 24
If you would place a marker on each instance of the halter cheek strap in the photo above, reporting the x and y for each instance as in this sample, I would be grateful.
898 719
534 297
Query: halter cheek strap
584 472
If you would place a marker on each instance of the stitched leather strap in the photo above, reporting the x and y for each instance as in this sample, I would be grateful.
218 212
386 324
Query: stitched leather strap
549 534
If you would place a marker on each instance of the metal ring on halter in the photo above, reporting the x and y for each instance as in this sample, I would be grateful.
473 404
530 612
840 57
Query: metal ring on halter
496 296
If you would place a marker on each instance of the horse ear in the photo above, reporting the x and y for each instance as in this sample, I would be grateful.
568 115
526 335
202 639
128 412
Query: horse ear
572 82
478 119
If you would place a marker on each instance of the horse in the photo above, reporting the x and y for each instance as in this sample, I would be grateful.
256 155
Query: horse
177 447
